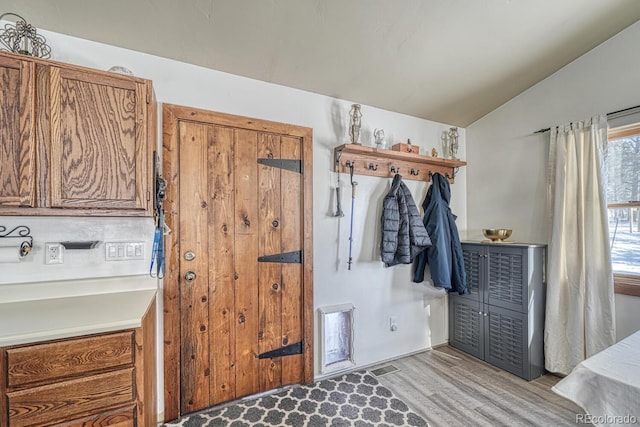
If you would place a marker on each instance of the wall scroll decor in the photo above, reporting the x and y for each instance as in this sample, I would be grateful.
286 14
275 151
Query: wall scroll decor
23 38
20 232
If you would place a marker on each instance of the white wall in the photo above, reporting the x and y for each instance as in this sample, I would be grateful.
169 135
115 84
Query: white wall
77 264
507 162
376 292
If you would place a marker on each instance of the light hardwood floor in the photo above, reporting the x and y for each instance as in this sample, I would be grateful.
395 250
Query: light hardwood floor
450 388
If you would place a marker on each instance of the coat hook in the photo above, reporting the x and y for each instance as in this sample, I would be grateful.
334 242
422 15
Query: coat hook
373 167
430 174
414 172
351 165
395 169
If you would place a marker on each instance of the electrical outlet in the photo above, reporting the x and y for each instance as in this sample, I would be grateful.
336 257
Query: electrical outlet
393 323
53 253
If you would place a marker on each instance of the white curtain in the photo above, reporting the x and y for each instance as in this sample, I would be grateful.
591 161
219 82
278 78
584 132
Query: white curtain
580 317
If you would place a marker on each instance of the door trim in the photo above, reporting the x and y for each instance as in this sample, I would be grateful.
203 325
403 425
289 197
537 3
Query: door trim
172 115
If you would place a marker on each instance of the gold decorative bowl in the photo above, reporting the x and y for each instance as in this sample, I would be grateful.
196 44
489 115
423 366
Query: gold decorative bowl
496 234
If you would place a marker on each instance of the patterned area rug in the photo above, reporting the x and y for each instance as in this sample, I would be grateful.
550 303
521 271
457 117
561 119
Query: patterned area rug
356 399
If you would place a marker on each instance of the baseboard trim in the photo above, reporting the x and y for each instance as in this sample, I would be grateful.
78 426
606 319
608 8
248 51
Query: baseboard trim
379 362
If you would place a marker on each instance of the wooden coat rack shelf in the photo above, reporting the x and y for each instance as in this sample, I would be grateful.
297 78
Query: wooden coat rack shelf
386 163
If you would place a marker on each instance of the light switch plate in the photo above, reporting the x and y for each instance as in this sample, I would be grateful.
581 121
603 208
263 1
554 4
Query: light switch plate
124 251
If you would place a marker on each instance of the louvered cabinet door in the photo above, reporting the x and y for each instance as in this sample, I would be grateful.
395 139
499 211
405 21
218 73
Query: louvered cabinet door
502 320
505 340
474 265
507 277
466 326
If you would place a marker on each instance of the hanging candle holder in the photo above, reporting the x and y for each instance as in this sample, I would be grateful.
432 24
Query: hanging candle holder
446 145
453 141
355 123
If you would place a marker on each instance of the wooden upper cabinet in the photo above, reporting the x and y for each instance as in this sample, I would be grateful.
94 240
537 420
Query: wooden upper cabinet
17 135
75 141
99 147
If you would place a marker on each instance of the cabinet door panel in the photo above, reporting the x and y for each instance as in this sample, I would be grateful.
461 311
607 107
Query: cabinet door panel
98 141
507 281
17 142
474 268
466 324
506 340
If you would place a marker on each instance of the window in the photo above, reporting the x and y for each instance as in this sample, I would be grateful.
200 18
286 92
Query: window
623 198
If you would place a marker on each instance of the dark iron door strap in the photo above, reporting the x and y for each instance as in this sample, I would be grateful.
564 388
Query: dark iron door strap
288 164
288 350
295 257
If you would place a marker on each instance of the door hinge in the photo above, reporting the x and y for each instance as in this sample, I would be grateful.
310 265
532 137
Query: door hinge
287 164
296 257
289 350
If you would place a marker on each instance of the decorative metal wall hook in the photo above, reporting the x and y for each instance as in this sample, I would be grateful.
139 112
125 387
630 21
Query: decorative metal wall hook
373 167
453 174
414 172
395 169
19 232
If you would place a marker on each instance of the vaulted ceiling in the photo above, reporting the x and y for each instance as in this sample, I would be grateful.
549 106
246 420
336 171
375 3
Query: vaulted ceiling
451 61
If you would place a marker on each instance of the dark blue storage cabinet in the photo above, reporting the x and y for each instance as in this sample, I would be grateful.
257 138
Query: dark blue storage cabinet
502 320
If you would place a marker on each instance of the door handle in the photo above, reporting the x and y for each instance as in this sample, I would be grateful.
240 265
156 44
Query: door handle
189 276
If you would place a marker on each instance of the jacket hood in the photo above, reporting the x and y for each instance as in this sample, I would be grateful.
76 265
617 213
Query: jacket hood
439 189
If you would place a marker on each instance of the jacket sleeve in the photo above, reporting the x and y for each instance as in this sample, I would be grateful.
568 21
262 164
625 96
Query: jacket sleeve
458 272
390 225
418 236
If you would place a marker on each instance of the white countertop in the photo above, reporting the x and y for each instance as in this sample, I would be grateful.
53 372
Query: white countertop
68 316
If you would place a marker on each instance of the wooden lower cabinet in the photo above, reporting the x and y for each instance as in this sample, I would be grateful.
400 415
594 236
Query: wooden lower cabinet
97 380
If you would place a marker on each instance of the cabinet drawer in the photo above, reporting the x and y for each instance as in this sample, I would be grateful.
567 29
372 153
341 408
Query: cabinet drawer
116 418
68 358
44 405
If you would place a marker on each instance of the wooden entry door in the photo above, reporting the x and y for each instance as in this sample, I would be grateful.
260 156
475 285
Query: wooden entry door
238 290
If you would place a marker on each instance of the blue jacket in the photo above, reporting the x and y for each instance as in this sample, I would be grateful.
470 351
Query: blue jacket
444 256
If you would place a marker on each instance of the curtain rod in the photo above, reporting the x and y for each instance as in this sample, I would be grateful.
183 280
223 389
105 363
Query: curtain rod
609 116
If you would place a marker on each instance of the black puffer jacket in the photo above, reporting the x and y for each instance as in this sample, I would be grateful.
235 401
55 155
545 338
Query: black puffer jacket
403 233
